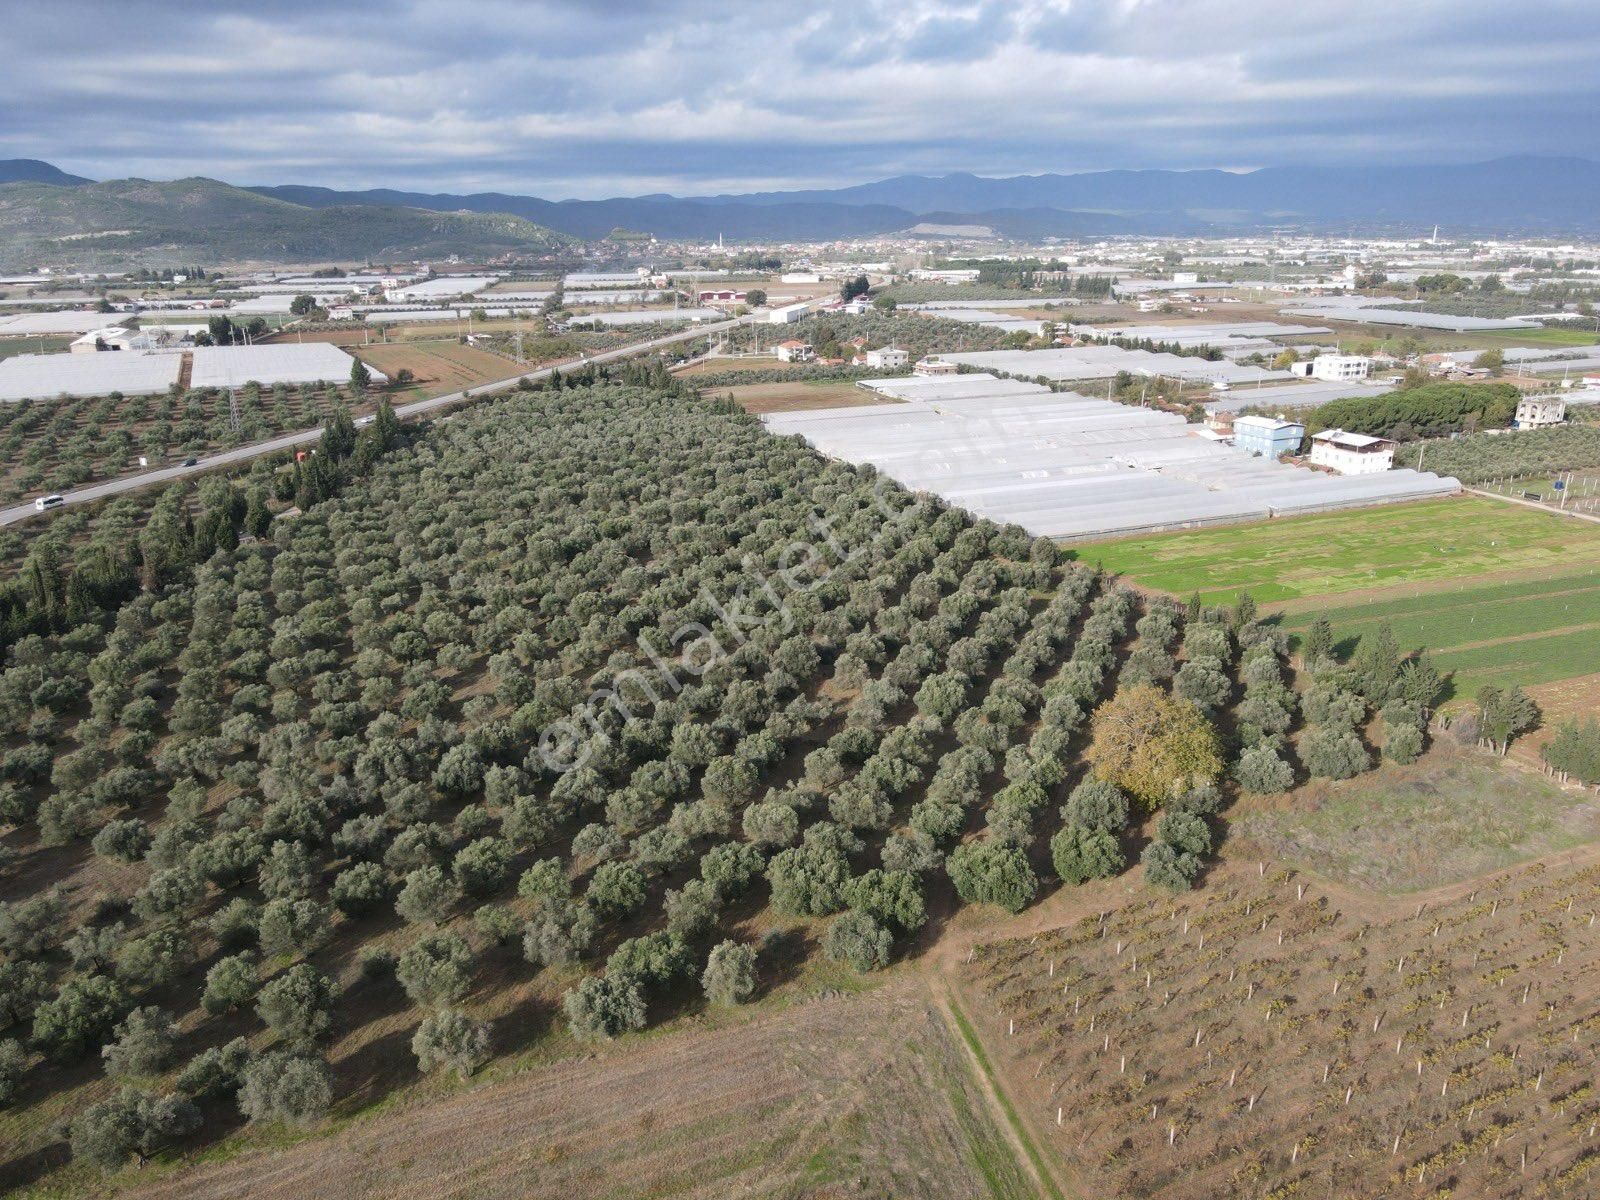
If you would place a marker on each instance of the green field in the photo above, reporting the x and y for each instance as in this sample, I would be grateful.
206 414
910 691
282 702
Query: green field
1301 558
10 347
1524 633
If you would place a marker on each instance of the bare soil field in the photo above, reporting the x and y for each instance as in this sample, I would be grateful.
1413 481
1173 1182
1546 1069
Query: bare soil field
801 396
840 1095
439 366
1271 1036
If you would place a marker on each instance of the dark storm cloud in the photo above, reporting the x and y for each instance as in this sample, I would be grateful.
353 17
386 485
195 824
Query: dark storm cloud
610 97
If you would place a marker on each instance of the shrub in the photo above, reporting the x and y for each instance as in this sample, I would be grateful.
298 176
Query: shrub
145 1039
603 1007
1166 866
1262 771
132 1124
481 867
450 1039
1080 854
730 976
858 939
283 1086
1333 752
617 888
13 1062
82 1013
215 1072
559 933
991 873
436 971
360 889
298 1005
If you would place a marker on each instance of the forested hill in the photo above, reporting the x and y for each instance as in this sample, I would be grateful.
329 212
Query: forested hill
186 220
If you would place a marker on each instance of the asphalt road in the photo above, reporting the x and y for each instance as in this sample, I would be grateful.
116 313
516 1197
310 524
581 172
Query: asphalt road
287 441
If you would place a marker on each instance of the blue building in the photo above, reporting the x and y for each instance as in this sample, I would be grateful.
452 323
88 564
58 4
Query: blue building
1268 437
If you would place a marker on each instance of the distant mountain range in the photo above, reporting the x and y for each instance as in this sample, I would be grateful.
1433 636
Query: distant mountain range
45 214
1532 195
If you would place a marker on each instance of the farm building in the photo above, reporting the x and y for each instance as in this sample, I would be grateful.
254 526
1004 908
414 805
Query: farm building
45 376
289 362
64 321
1268 437
787 314
1350 453
1293 395
445 287
1075 363
171 338
1070 466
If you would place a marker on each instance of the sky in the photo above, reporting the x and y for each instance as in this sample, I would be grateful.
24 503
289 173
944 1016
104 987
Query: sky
574 99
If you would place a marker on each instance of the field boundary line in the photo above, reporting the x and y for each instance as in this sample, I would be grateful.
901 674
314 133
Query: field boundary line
1560 512
1005 1115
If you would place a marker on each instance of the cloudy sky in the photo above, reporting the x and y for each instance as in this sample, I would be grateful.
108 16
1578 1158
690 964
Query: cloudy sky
589 98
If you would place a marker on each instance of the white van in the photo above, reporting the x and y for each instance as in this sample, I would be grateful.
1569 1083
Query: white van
44 502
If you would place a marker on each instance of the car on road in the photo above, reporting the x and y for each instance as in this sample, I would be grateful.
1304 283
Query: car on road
44 502
191 462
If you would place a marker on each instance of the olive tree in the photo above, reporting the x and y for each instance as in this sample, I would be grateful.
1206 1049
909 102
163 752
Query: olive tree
730 975
450 1039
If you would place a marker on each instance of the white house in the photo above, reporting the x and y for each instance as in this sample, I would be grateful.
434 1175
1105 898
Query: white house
1351 453
933 365
889 358
795 350
1537 412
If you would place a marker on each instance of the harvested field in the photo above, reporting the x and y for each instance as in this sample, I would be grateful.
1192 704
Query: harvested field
800 396
1453 814
847 1095
439 366
1270 1036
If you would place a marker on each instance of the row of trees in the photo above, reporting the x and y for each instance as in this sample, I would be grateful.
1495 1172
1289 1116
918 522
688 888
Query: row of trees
1431 410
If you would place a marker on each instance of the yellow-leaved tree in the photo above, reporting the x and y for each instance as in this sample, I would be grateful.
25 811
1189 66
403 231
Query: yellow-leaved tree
1153 746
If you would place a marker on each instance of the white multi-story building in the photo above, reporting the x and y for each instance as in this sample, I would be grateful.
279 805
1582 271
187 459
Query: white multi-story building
1340 368
933 366
890 358
1537 412
1351 453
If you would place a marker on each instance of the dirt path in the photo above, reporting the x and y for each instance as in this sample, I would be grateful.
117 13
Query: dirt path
1560 512
1004 1116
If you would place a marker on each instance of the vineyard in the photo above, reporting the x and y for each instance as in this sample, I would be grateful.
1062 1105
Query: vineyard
1276 1039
